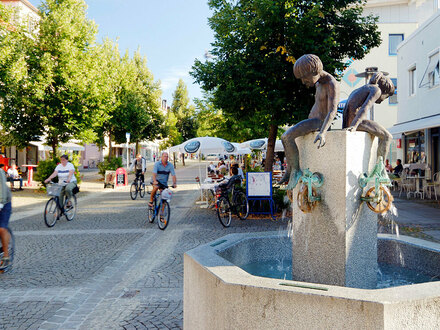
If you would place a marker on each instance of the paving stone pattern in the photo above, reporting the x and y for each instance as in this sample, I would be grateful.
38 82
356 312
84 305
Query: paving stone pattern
108 268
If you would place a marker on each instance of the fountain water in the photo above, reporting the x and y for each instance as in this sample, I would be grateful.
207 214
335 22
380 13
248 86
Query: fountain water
335 254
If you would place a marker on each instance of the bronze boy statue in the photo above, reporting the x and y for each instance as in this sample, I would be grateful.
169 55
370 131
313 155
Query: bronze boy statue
309 69
360 101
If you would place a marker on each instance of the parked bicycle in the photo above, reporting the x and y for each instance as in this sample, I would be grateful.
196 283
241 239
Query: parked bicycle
231 200
137 187
53 210
11 249
161 207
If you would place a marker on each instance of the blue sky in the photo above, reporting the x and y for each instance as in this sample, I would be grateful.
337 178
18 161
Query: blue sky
170 33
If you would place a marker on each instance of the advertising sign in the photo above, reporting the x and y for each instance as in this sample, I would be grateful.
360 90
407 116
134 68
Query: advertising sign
121 177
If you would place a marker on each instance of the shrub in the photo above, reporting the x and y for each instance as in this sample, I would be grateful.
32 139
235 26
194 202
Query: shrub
280 198
45 169
111 165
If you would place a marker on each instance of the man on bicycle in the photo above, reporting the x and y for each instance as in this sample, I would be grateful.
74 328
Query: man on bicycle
65 172
139 165
5 214
161 172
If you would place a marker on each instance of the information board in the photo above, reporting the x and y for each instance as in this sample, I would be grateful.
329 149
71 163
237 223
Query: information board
121 177
259 184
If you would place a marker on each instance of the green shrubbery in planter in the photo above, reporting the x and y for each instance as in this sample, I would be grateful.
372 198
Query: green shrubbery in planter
111 165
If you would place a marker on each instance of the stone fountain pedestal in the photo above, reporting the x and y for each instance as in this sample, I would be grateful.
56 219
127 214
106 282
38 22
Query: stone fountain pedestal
336 243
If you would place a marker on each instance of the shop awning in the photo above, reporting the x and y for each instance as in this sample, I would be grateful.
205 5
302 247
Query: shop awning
69 146
414 125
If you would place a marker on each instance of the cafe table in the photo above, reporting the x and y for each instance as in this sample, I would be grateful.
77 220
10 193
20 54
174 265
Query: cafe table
30 175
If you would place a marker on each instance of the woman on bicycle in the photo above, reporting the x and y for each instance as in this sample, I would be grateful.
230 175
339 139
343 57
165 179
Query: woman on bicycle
5 214
65 172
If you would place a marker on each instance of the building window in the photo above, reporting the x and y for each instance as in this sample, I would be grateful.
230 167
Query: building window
394 41
433 70
393 99
412 81
415 147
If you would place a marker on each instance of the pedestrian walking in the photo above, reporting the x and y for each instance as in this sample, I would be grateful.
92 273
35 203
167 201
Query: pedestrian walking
5 214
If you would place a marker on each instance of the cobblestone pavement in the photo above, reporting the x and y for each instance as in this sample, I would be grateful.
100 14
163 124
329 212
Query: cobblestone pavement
109 268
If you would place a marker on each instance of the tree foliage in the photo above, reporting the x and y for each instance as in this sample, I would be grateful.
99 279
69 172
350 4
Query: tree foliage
61 84
184 112
256 44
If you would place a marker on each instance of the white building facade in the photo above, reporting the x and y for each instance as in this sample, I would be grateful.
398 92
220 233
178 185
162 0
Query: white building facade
397 20
418 121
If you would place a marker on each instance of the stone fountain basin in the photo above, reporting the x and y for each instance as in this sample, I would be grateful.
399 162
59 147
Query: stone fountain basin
218 294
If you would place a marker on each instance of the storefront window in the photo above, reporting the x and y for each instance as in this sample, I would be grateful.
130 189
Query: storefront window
415 148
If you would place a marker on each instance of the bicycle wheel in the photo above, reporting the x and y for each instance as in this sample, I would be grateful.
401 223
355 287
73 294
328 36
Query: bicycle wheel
164 213
51 212
133 191
142 190
151 211
11 249
224 212
70 211
241 205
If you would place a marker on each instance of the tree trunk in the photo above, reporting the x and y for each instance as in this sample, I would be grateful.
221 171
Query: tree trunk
110 148
54 147
137 147
183 159
174 159
270 151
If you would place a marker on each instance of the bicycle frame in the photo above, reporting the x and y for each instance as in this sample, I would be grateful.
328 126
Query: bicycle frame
159 203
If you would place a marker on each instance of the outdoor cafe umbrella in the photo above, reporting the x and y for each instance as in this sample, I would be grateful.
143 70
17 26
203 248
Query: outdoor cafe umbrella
207 145
239 150
261 144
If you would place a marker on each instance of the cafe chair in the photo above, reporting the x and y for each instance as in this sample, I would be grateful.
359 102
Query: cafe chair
432 186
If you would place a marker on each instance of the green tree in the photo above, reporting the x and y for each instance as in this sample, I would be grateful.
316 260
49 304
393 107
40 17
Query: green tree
59 95
138 102
173 137
256 44
212 122
184 112
17 89
70 104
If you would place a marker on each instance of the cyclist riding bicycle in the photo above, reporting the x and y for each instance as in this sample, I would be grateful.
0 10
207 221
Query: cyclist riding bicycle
161 173
5 214
65 172
139 165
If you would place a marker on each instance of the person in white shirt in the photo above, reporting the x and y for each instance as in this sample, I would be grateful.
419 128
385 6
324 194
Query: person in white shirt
14 176
66 176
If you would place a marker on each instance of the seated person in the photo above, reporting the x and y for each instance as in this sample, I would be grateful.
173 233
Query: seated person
388 166
222 168
14 176
234 179
398 169
211 168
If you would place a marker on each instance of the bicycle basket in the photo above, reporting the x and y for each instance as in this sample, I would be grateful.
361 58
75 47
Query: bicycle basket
167 194
54 189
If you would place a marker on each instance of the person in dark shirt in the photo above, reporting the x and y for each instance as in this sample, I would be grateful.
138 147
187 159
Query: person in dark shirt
398 169
234 179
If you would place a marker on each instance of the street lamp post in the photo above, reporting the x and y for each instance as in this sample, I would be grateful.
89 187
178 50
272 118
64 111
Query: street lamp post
127 136
369 71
